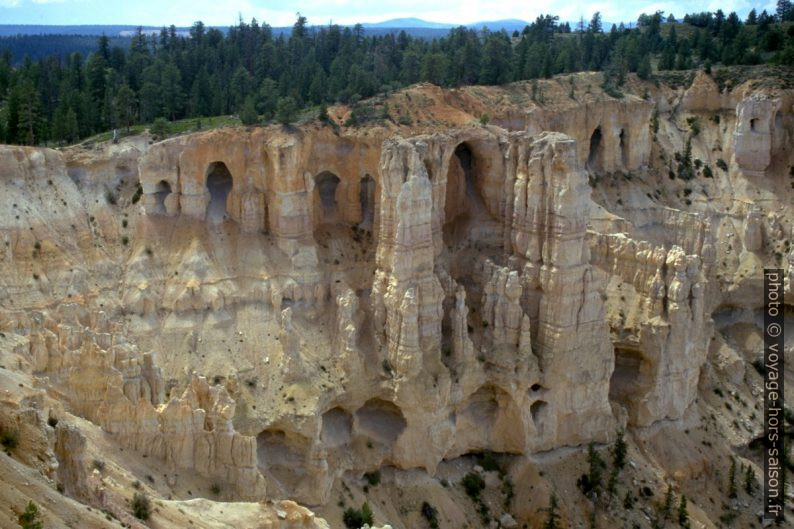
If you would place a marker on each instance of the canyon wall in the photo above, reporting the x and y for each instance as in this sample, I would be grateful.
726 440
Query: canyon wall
286 306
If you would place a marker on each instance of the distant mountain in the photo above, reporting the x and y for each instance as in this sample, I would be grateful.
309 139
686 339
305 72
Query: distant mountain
508 24
401 23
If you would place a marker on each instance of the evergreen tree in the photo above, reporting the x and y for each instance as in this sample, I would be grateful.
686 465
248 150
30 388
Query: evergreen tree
551 513
732 479
683 514
31 517
496 59
248 113
286 110
125 106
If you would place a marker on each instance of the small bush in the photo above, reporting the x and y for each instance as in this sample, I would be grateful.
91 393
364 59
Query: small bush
489 463
99 465
355 518
484 119
141 506
159 128
694 125
473 484
430 514
110 197
31 517
722 165
215 489
373 478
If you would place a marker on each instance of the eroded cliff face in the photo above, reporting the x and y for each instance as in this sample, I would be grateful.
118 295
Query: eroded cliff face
277 311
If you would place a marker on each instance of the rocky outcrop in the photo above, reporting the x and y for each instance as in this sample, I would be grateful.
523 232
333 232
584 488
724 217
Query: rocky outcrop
108 381
757 119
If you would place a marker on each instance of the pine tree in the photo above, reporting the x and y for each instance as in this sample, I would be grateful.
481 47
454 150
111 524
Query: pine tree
732 479
551 513
666 509
595 474
248 113
28 118
750 481
286 110
683 514
31 517
644 67
125 106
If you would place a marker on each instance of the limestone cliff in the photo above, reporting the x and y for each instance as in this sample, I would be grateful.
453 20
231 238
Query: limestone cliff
272 313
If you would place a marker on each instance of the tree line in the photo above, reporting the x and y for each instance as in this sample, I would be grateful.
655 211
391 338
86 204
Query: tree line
251 72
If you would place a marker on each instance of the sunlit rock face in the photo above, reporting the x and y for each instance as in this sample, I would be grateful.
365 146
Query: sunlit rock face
277 309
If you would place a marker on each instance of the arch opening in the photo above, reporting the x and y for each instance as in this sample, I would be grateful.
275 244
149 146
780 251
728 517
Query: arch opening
628 381
161 192
219 185
596 153
753 124
464 205
326 184
366 197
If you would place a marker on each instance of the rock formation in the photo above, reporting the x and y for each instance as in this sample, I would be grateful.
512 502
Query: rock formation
279 311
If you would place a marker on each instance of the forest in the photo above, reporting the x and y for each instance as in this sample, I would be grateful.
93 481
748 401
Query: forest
260 76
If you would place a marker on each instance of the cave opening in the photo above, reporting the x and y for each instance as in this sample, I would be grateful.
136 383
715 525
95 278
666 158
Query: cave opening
628 379
337 427
752 124
463 204
161 191
595 156
539 410
282 457
366 197
624 148
219 185
380 420
326 184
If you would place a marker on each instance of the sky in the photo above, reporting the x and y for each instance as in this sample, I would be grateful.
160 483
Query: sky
282 12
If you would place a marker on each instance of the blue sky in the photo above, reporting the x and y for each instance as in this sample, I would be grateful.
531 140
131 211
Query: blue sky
282 12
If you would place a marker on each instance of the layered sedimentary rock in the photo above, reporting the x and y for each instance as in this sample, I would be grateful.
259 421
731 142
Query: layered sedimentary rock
285 308
107 380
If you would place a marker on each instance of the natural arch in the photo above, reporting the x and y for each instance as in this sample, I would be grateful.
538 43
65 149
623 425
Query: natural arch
596 154
161 191
219 185
326 184
463 203
366 197
629 379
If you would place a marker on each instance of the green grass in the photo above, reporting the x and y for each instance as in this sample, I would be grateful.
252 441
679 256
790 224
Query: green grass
175 128
182 126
